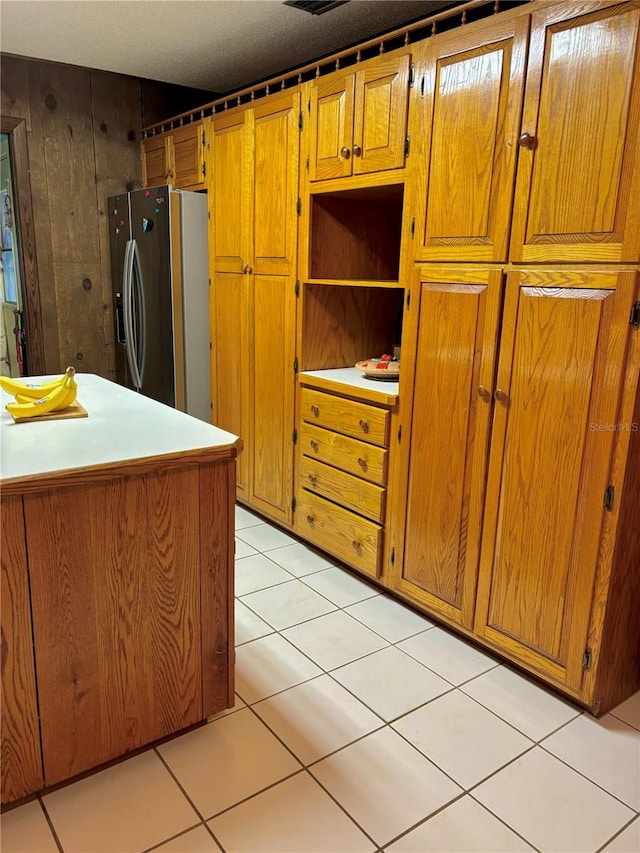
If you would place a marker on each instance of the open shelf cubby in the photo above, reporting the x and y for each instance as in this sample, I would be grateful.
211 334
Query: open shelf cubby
355 234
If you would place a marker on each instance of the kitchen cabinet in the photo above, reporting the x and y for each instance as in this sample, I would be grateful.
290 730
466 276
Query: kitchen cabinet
452 326
578 186
358 119
254 193
117 573
465 119
21 757
176 157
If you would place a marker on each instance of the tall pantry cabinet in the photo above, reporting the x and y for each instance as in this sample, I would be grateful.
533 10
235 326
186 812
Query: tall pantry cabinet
253 194
524 383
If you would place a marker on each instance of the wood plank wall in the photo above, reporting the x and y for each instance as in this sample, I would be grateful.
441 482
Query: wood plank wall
82 136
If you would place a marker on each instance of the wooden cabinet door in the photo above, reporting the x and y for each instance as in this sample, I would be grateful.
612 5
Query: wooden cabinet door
331 123
472 106
276 147
21 757
188 155
230 193
380 115
230 379
560 368
445 468
155 161
578 186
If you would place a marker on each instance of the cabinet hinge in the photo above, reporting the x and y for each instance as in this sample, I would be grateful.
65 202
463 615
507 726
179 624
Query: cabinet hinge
399 433
295 364
634 319
586 659
609 494
309 107
293 504
412 75
413 227
204 170
307 165
294 436
299 207
408 298
422 86
392 556
204 139
407 145
296 288
209 282
210 345
300 120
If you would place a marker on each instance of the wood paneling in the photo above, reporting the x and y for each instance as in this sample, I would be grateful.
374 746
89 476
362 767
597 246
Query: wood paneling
21 759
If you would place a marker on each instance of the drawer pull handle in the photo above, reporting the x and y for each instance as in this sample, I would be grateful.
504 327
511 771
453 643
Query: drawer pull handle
501 396
313 479
315 410
484 393
364 425
311 518
356 544
314 445
362 462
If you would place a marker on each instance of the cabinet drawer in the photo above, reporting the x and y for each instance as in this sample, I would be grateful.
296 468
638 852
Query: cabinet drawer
351 539
348 454
345 489
346 416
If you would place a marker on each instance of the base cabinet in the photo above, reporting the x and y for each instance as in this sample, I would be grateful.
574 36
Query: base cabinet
515 483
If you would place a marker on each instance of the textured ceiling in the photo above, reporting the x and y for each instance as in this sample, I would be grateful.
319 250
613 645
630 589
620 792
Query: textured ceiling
217 45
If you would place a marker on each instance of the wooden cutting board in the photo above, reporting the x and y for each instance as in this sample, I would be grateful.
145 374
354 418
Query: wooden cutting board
75 410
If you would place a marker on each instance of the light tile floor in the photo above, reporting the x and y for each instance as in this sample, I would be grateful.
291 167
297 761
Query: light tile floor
359 726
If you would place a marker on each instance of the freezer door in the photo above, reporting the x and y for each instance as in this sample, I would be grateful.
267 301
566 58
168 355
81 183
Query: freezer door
119 234
150 229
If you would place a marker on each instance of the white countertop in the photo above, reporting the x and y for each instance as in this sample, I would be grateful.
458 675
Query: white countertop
122 426
353 381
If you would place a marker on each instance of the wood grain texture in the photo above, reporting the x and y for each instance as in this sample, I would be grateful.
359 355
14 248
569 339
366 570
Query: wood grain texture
355 237
155 160
217 524
348 454
188 156
342 324
357 420
230 197
21 758
331 126
560 367
582 106
116 613
473 83
350 492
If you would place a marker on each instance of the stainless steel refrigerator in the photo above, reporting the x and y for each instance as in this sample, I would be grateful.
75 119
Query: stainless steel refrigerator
159 270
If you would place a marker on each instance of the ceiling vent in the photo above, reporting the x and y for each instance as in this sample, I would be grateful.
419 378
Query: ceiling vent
315 7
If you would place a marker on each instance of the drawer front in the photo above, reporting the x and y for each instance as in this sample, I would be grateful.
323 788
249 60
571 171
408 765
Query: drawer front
351 492
351 539
348 454
359 420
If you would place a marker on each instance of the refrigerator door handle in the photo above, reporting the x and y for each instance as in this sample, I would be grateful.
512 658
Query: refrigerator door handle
141 330
128 310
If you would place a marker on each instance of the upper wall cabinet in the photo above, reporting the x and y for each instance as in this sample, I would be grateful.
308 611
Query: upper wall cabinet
578 186
176 157
465 119
359 118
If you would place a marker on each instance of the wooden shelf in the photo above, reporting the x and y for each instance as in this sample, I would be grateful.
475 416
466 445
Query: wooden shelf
355 282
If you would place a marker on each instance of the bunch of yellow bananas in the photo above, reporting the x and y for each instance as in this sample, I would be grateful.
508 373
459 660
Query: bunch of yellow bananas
38 398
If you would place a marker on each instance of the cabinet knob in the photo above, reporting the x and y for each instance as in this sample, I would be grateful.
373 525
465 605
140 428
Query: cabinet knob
527 141
356 544
311 518
362 462
484 393
314 445
315 410
313 479
357 151
345 153
248 269
364 425
501 396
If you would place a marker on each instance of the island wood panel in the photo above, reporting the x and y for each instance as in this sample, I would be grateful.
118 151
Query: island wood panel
116 117
21 757
116 614
343 324
217 526
564 338
582 117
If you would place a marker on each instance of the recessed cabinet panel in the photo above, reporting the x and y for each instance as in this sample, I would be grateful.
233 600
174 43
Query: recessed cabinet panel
578 190
473 86
332 129
155 166
231 211
188 155
562 351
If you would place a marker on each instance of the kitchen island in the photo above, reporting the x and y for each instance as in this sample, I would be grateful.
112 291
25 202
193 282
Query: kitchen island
117 582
